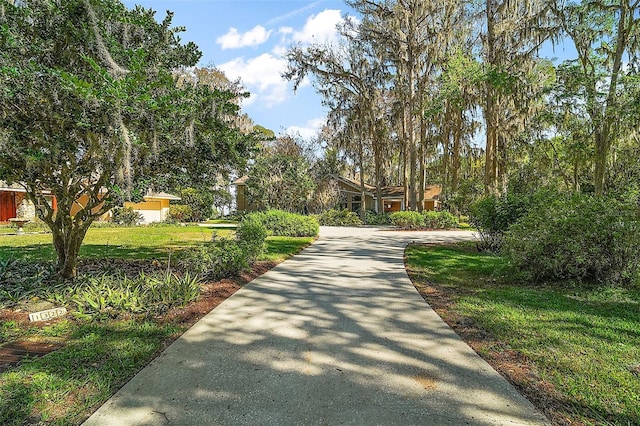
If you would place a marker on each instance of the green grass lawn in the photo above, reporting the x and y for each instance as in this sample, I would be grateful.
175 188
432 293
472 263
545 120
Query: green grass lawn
585 342
130 243
98 355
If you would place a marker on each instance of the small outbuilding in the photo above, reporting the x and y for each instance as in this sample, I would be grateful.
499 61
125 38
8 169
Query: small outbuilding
154 208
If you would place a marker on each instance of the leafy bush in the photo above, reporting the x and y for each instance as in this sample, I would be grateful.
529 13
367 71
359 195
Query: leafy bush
180 213
407 220
125 216
200 202
224 257
285 224
493 216
374 218
583 238
439 220
220 258
236 216
431 219
336 217
115 295
251 235
104 224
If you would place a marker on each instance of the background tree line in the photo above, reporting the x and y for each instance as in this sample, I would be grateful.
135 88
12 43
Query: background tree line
458 93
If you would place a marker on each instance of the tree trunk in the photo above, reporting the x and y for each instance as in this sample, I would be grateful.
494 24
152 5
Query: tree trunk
411 123
405 171
455 159
602 154
363 206
502 175
67 241
604 137
490 113
445 137
491 145
377 158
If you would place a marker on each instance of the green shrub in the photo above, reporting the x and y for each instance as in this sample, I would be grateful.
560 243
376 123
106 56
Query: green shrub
493 216
439 220
217 259
125 216
180 213
200 202
407 220
374 218
285 224
223 257
336 217
446 220
236 216
251 235
582 238
431 219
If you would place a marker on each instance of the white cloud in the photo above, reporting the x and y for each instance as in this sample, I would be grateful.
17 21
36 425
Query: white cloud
261 75
319 28
279 51
310 129
233 39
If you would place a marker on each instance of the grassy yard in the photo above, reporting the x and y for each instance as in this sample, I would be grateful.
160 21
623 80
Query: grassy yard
581 346
97 355
129 243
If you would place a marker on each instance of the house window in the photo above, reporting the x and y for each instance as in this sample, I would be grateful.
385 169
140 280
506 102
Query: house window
356 202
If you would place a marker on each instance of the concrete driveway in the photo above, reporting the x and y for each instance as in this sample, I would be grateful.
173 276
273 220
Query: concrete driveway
335 335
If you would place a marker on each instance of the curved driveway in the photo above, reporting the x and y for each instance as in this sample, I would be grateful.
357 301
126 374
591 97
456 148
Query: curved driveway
335 335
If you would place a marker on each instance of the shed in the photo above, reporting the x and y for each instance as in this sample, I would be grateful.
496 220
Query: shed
154 208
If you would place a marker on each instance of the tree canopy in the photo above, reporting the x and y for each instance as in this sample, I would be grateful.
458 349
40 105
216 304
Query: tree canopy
460 94
280 177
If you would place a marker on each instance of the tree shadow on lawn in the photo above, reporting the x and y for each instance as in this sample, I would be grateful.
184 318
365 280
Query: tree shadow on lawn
46 252
98 359
284 246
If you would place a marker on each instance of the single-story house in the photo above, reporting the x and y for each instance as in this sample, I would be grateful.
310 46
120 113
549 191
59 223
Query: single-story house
392 196
351 196
15 204
154 208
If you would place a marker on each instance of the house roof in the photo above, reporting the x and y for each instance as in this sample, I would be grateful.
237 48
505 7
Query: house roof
162 196
354 183
431 192
392 191
14 187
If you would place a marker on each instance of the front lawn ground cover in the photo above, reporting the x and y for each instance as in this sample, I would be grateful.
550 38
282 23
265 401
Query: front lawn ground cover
138 242
573 351
98 354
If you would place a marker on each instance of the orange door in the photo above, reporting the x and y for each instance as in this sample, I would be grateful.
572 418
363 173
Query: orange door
7 206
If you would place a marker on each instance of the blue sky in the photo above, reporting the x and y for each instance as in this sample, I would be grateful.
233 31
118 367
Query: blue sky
247 38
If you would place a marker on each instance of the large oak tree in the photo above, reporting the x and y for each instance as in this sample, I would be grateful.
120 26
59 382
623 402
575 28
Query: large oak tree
90 109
